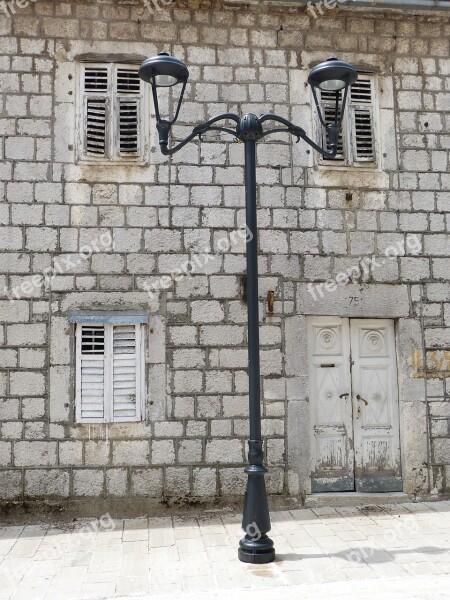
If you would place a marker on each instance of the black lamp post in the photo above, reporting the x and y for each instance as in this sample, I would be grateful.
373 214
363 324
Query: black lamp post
333 75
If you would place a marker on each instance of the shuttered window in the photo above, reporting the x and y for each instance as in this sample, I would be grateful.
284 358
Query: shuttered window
113 112
109 373
357 144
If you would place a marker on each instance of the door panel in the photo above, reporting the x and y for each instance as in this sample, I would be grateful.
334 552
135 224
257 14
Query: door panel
375 406
331 406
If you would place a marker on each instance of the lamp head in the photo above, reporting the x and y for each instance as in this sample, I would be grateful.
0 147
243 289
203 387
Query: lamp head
163 70
332 75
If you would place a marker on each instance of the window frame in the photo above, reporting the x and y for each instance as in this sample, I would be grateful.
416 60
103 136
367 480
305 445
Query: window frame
112 101
349 159
108 377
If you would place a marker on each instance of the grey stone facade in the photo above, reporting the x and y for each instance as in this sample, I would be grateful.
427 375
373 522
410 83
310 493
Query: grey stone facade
316 221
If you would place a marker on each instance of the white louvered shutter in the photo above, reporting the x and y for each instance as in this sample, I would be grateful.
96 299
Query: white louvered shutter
126 372
90 373
361 115
96 110
328 106
109 373
113 112
128 89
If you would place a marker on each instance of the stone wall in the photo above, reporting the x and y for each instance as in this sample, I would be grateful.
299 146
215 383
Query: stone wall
314 223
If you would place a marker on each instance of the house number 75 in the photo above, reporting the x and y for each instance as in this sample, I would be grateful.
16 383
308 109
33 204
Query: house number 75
355 300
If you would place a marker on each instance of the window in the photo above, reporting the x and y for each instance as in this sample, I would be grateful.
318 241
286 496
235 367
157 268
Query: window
357 142
109 372
113 115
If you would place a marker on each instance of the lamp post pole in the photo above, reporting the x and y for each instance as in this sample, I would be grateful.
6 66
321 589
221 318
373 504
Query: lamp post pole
164 71
255 547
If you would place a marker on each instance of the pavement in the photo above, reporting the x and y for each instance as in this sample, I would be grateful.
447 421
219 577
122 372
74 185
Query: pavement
389 551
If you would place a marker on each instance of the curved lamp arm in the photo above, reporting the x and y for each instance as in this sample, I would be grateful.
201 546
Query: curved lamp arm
299 133
164 128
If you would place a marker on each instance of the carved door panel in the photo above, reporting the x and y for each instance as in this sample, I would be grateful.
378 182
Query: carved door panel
375 406
331 405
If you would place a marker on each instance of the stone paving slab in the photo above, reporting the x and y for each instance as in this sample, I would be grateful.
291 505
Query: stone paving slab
376 551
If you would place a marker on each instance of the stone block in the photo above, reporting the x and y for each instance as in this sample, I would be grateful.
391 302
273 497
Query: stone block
204 482
162 240
12 430
177 481
8 358
232 481
11 238
60 332
134 452
218 382
304 242
185 359
190 451
32 358
116 482
163 452
14 312
10 485
208 406
34 454
9 408
147 482
60 393
221 427
30 334
27 383
97 453
70 453
33 408
88 482
5 454
221 335
187 382
168 429
233 358
49 482
224 451
377 300
183 406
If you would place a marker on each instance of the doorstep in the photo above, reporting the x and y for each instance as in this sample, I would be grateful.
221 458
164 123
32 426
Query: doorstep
356 499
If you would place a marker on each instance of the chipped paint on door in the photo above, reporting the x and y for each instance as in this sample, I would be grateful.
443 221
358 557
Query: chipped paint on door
332 444
375 406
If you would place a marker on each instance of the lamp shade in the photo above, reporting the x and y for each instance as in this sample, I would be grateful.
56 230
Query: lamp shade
163 70
332 75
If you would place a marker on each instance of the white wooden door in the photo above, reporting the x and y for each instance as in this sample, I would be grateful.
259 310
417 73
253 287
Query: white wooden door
330 391
375 406
355 440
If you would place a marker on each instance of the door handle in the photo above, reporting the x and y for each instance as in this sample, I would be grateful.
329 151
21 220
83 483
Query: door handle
358 397
344 395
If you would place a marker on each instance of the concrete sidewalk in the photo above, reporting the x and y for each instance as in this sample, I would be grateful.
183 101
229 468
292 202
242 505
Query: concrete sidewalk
387 551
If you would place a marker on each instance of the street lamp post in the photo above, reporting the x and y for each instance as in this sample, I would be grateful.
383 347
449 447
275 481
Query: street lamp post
165 71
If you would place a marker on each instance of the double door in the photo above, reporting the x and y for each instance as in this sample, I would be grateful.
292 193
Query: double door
354 405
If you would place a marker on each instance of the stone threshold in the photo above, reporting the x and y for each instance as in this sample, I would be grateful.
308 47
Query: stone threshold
340 499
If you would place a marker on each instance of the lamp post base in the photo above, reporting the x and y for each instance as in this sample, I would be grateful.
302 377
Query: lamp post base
258 552
256 547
